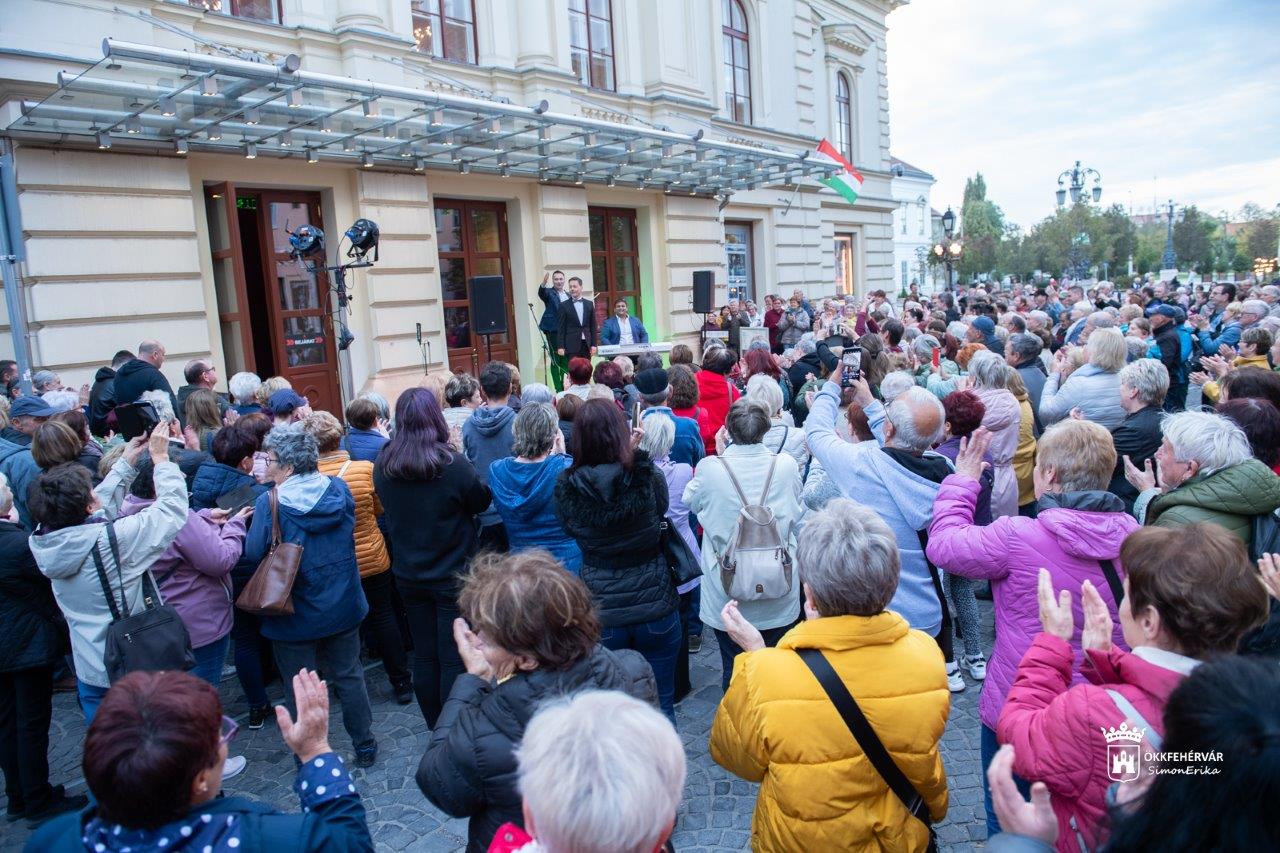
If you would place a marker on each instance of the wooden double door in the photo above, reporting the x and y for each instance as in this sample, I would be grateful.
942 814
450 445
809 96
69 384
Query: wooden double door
274 314
471 237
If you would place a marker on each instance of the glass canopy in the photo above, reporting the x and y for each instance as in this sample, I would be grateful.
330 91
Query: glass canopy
146 98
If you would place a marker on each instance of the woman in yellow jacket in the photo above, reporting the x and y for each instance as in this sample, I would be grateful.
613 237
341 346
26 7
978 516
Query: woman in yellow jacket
1024 458
381 629
777 726
1255 344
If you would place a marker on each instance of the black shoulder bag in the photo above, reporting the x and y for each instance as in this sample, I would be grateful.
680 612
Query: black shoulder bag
152 639
1113 580
867 738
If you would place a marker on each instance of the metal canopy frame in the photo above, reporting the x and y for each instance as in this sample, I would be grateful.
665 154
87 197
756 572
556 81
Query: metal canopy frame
141 97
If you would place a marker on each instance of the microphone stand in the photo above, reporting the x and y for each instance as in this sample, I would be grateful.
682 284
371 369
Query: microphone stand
546 353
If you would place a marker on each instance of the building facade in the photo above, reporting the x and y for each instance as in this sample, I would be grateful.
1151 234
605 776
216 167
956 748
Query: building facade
633 142
912 225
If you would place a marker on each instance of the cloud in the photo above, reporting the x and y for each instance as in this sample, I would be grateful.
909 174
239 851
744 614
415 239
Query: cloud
1172 97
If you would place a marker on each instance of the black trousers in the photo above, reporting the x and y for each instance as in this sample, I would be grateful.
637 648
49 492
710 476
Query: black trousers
382 628
436 663
26 708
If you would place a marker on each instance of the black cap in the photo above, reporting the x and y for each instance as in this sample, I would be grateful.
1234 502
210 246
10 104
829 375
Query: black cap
651 381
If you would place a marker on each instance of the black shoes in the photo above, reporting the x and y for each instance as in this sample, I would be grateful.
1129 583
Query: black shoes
258 716
404 692
61 804
367 756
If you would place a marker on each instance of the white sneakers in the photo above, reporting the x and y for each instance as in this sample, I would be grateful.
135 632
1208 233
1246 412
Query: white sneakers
955 681
234 767
977 667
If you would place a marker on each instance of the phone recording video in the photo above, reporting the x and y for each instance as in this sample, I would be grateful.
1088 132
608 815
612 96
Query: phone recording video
635 416
936 358
850 366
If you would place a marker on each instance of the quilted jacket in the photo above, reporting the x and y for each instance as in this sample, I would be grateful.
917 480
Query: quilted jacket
469 769
1057 730
1229 498
371 549
1004 419
1095 391
818 791
1072 532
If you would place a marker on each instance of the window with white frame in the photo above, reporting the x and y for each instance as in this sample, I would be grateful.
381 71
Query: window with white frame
737 61
446 29
844 116
591 42
253 10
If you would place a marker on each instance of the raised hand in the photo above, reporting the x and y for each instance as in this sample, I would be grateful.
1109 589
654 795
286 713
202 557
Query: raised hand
1097 619
1034 819
158 442
969 460
1055 613
309 735
469 649
1140 478
742 632
1269 567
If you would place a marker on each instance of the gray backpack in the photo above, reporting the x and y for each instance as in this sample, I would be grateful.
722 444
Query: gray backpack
756 565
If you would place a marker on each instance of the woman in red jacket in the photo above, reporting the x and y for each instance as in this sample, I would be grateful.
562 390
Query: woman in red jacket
1190 594
716 393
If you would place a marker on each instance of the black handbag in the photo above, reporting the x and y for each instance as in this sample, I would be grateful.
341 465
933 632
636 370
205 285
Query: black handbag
152 639
684 564
867 738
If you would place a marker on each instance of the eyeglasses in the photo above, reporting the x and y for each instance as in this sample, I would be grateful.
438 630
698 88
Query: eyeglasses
273 460
229 729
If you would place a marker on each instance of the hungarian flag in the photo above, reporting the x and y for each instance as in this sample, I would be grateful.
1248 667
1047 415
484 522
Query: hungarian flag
847 181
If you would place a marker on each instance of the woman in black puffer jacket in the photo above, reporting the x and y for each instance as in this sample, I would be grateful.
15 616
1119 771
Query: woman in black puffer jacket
535 638
612 502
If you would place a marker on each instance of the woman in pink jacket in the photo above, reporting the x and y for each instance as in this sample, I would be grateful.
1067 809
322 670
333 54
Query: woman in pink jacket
1080 526
1190 594
1003 419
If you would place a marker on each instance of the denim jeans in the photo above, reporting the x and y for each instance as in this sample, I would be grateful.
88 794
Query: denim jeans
689 604
339 656
209 660
730 650
26 707
90 699
436 664
658 640
382 629
248 656
990 746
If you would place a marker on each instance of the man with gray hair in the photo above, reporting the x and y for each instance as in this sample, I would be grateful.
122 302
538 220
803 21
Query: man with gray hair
1251 313
1096 320
1206 473
892 386
599 771
1271 296
898 480
199 373
1022 353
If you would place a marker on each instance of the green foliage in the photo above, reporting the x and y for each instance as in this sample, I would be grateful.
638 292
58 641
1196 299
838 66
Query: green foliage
1260 239
1192 241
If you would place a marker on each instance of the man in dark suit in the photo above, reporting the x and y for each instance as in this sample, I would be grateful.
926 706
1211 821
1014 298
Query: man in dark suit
553 297
577 326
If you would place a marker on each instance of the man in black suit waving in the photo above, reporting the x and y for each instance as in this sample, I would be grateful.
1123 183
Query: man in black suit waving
577 323
552 297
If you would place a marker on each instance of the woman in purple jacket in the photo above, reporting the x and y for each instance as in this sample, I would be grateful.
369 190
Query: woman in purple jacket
1076 535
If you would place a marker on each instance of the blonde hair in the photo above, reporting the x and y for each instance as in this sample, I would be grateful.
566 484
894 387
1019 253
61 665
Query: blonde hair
1232 311
4 412
1107 350
1081 454
6 495
436 382
269 387
325 429
109 458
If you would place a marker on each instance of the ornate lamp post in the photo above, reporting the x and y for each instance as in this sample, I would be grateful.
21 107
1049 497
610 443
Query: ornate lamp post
948 251
1078 176
1169 260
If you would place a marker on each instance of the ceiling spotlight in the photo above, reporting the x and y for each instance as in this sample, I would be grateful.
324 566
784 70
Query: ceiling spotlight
209 86
323 124
609 181
366 160
286 139
180 146
406 153
252 115
104 141
505 171
419 165
464 168
312 156
168 107
214 133
293 98
693 190
577 179
668 149
495 126
251 152
348 144
133 125
371 108
436 118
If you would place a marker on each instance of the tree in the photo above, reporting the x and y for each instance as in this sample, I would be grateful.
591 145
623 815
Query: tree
1192 240
1260 239
982 226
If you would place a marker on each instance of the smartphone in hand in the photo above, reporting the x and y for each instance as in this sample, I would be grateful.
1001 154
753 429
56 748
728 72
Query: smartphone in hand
850 366
936 358
635 416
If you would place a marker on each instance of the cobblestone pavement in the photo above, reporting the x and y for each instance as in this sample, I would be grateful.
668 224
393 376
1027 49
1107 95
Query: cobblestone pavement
715 814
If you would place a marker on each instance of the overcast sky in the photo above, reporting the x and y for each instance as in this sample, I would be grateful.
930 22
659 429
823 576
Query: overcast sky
1166 98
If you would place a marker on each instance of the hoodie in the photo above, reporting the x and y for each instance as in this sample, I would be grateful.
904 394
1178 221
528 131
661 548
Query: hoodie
523 495
486 438
318 513
135 378
19 469
1072 532
716 393
65 558
102 399
902 496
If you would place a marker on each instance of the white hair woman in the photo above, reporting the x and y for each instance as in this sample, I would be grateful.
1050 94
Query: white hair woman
600 771
1143 386
783 436
244 392
1206 472
1094 388
989 379
776 710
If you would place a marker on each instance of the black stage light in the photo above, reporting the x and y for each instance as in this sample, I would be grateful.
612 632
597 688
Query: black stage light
306 240
363 235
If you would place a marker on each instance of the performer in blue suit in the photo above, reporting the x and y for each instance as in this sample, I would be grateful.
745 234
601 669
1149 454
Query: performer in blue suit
550 324
622 329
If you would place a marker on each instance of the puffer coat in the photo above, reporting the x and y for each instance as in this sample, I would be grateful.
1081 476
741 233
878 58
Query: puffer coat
818 791
1229 498
1071 534
469 769
371 548
614 515
1003 418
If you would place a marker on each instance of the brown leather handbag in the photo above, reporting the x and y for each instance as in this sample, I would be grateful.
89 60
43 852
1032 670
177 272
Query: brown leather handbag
270 591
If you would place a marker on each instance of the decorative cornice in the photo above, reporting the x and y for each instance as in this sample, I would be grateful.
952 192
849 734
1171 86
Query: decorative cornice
847 37
605 115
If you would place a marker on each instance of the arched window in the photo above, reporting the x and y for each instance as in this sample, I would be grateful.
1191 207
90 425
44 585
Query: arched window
591 42
844 117
737 62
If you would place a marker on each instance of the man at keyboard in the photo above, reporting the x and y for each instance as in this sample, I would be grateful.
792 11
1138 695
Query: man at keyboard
622 329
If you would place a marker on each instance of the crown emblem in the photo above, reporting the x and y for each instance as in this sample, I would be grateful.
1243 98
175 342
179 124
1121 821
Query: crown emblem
1124 734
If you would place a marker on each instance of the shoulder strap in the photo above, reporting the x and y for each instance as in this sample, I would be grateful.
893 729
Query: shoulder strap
732 479
275 518
102 579
768 480
1131 713
1113 580
865 735
343 469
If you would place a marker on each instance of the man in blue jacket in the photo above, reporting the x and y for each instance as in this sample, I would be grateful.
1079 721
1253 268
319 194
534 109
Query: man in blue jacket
486 437
26 414
549 325
622 329
655 387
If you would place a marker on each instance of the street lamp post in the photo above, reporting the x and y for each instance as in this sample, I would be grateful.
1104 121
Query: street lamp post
1170 259
948 251
1078 175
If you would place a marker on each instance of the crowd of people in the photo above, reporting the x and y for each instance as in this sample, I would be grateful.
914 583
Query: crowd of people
534 568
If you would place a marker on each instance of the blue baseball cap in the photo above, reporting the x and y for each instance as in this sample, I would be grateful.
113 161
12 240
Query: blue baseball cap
1164 310
984 325
31 407
284 401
